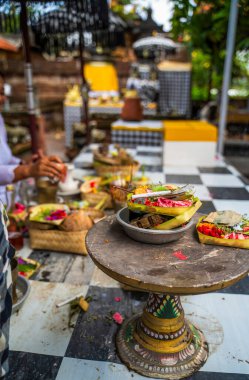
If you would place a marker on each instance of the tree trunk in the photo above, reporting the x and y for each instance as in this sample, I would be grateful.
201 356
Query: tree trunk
210 79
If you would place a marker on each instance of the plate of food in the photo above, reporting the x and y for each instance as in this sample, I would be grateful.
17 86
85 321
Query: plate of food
68 193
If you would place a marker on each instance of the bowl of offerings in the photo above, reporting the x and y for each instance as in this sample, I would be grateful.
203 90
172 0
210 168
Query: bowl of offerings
158 214
132 223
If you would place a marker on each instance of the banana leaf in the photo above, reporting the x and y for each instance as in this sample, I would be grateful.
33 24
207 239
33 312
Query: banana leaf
180 219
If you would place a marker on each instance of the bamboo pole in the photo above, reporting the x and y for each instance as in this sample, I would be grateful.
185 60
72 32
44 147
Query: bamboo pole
84 89
28 77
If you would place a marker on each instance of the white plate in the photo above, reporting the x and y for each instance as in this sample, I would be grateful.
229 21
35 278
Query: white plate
69 192
66 193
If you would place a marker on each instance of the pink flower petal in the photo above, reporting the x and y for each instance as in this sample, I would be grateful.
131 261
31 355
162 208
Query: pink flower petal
179 255
19 206
117 299
117 317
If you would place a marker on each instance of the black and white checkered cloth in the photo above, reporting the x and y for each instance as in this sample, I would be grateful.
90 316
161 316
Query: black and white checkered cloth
6 254
72 114
174 93
131 139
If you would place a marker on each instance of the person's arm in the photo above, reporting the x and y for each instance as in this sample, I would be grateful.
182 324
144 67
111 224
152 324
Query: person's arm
6 174
44 167
14 161
13 173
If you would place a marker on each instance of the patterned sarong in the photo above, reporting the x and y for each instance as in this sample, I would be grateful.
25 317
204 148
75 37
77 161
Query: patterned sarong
6 254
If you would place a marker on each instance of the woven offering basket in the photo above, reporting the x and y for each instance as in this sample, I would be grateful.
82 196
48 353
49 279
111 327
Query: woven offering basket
125 170
61 241
96 215
96 198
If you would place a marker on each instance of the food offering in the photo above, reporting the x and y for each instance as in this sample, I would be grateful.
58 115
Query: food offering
227 228
55 227
95 191
162 207
121 185
110 161
27 267
59 216
49 213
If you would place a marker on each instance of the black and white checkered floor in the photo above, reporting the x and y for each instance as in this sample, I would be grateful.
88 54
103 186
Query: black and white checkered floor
42 345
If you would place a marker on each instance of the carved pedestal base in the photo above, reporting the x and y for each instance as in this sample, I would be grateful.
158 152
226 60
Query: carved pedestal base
160 343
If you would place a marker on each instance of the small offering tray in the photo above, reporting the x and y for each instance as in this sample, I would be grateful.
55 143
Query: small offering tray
227 228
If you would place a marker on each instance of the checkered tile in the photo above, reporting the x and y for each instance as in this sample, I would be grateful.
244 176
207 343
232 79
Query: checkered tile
43 347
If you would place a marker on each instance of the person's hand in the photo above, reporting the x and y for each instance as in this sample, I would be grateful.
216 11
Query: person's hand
33 158
47 167
40 155
37 155
54 159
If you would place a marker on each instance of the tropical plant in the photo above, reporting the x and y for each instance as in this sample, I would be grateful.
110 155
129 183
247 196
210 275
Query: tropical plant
202 25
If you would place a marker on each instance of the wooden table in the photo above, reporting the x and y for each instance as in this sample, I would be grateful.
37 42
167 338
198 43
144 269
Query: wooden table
160 342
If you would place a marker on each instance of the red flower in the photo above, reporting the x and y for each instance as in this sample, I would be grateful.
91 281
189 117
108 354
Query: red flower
118 318
180 255
92 184
57 215
19 208
217 232
163 202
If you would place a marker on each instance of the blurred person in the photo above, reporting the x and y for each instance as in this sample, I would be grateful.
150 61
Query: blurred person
6 254
13 169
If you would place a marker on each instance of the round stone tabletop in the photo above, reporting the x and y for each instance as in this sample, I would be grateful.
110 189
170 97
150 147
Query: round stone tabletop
156 268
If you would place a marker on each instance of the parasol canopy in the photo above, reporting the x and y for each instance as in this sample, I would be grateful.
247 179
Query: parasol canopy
49 16
56 31
152 47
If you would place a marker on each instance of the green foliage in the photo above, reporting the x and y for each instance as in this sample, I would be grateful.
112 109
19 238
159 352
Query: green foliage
127 9
202 25
200 75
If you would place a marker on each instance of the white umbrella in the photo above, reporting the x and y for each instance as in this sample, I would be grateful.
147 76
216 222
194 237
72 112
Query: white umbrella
160 42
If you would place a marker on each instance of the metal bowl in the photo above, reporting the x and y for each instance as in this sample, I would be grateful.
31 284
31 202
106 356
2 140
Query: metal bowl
23 290
150 236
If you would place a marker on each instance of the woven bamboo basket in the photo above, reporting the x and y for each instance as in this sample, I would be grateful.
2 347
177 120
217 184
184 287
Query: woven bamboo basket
125 170
95 198
61 241
96 215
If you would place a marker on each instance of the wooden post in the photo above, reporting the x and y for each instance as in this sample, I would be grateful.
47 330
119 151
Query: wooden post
28 76
84 89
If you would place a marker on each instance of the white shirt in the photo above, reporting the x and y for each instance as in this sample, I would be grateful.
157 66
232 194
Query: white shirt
8 162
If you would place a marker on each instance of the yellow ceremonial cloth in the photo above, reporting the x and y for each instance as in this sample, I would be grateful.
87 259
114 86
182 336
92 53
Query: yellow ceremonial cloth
101 76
